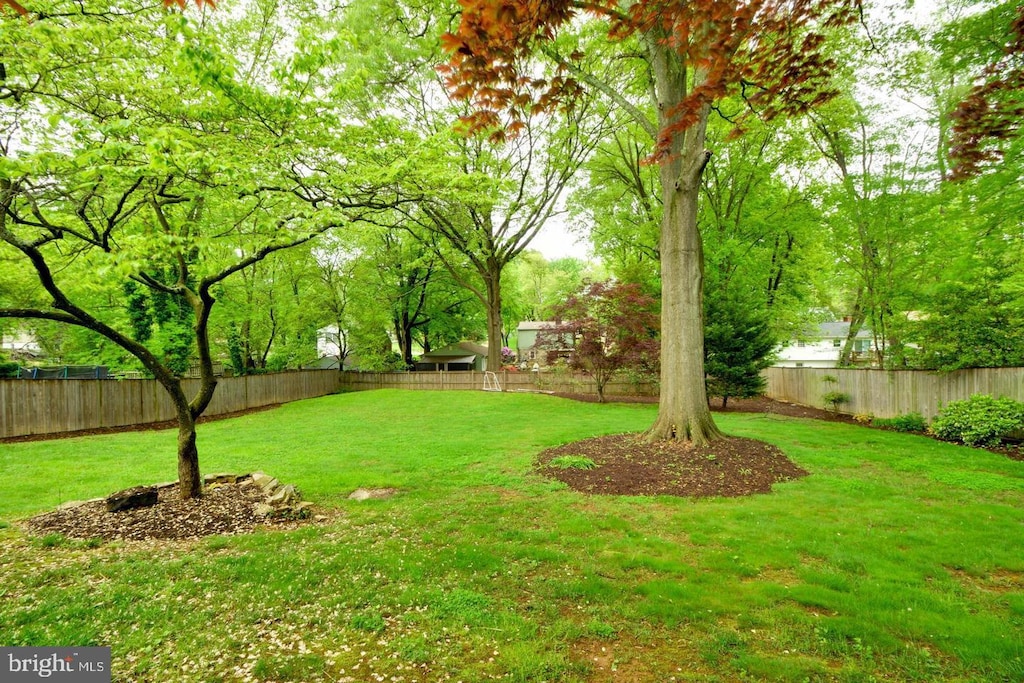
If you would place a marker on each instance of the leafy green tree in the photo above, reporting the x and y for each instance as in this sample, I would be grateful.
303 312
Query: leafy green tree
695 54
148 156
989 45
511 188
534 286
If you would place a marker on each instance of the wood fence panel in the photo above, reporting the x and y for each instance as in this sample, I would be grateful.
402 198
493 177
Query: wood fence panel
881 393
52 406
471 380
885 393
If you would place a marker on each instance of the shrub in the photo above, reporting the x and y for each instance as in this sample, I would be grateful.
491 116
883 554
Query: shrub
980 420
911 422
834 399
8 369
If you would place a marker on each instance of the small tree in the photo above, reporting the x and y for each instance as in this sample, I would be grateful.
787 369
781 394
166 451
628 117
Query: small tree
738 345
612 326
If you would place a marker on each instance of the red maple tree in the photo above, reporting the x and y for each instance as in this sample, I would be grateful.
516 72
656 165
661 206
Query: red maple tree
993 109
697 52
605 329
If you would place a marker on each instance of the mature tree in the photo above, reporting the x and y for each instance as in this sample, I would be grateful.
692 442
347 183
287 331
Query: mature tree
142 156
609 326
403 274
510 189
766 51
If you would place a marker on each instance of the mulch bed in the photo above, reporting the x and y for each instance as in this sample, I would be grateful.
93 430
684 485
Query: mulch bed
627 465
226 509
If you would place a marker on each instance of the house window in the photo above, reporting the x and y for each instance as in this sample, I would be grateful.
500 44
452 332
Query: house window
801 343
799 365
533 355
837 343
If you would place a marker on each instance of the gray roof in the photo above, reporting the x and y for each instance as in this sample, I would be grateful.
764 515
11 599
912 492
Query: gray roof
535 325
455 353
835 330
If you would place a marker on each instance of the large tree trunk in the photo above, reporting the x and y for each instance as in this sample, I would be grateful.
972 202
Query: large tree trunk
683 411
492 279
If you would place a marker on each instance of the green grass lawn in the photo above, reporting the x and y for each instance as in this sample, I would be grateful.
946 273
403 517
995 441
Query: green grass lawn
898 559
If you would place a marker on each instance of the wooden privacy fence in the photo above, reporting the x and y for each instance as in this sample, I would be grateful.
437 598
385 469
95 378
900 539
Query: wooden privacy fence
509 381
53 406
888 393
57 405
881 393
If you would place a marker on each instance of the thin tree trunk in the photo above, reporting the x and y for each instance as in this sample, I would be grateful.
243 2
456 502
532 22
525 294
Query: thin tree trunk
189 481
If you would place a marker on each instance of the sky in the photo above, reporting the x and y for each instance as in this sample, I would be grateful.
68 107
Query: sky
554 241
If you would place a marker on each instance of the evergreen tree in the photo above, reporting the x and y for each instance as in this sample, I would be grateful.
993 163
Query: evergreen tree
738 345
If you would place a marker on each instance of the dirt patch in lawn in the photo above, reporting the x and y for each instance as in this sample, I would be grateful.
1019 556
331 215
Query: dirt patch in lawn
625 464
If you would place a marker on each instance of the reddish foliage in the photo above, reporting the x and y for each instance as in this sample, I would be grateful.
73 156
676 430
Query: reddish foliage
608 327
15 6
768 51
993 110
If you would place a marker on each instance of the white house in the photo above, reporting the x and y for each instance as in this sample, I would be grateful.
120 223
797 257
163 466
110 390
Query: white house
820 347
330 341
20 345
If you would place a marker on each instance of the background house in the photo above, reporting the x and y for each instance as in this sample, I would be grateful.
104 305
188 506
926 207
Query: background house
526 341
20 345
460 356
820 346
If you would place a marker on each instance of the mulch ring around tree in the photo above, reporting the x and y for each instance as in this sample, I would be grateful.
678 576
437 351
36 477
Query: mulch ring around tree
222 509
625 464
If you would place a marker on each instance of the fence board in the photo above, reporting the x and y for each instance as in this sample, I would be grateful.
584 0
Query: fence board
885 393
52 406
57 405
471 380
880 393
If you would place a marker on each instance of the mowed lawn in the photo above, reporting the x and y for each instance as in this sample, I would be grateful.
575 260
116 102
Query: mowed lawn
897 559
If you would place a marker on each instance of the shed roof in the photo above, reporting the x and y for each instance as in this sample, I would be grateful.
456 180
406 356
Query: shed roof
535 325
462 352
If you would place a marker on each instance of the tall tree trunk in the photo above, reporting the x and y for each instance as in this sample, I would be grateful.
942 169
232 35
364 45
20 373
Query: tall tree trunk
683 411
492 279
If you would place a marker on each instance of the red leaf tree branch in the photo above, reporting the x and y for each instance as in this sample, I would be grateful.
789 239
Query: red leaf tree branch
993 110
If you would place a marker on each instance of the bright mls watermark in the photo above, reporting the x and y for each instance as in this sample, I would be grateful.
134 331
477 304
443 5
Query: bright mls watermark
78 664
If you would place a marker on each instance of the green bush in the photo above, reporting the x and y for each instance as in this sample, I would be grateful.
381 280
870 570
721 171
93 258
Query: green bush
980 420
911 422
834 399
8 369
